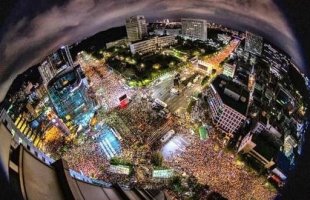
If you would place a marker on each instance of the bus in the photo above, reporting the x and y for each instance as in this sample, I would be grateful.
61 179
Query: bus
167 136
161 103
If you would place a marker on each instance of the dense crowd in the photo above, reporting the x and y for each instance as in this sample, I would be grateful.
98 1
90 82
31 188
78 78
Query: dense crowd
142 120
219 169
216 59
89 159
206 160
111 84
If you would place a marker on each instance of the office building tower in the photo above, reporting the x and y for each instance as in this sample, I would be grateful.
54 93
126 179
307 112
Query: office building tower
251 81
253 43
61 58
65 50
47 71
277 60
136 28
228 102
68 94
195 29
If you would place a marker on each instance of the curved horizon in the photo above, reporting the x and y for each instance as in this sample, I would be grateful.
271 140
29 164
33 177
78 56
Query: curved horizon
27 37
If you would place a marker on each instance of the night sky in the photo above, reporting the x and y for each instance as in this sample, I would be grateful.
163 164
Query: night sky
29 30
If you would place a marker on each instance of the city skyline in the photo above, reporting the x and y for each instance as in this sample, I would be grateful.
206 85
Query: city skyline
198 100
72 27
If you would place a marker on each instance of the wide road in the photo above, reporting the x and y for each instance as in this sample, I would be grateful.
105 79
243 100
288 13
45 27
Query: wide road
179 103
175 102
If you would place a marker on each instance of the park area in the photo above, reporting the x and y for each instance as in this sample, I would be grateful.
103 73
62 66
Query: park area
194 48
142 70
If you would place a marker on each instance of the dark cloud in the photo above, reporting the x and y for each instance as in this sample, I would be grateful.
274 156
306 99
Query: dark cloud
35 29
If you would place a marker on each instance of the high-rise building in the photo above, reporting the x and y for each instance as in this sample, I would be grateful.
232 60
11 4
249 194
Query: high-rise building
68 58
278 60
47 71
136 28
228 102
69 96
61 58
253 43
194 28
229 70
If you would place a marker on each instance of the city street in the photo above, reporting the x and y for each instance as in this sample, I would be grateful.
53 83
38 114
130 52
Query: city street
175 102
140 126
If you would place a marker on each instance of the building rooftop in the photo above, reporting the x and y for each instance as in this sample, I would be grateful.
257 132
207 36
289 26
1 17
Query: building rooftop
232 94
266 144
61 74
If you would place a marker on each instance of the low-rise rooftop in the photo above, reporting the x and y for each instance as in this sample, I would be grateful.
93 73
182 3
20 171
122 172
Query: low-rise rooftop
232 94
266 144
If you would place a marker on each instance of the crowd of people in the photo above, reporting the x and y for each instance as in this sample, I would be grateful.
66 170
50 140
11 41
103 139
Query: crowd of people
216 59
218 168
142 120
108 85
206 160
88 158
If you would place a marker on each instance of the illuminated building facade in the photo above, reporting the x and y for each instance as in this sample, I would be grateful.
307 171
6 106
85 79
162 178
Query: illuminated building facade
68 94
207 67
151 45
136 28
229 70
228 104
117 43
143 47
195 29
47 71
278 60
34 175
61 58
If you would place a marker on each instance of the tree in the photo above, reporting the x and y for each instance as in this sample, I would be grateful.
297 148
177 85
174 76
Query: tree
192 181
157 159
205 80
175 183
